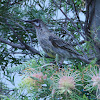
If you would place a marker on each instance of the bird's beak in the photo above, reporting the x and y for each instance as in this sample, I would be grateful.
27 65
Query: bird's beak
34 22
29 21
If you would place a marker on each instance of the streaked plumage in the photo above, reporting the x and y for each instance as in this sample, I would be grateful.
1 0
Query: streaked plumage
51 43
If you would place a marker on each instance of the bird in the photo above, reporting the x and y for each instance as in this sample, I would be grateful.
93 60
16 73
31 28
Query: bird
52 44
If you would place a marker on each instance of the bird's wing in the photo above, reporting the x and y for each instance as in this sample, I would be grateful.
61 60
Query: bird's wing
47 48
59 43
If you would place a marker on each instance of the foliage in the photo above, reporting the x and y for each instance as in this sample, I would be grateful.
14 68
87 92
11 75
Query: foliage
18 39
45 80
40 77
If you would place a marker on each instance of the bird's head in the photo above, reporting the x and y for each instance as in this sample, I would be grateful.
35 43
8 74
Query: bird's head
39 25
35 22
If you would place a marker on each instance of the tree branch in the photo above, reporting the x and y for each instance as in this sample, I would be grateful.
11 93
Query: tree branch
76 42
69 20
91 13
86 26
27 53
84 59
24 30
25 46
34 51
77 14
14 45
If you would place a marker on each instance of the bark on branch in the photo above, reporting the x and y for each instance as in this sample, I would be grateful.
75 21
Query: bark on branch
14 45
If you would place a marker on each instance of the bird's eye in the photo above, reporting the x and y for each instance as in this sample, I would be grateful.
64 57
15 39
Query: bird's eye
36 23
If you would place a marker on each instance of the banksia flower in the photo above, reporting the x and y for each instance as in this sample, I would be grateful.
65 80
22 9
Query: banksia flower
93 79
39 76
34 81
96 80
66 82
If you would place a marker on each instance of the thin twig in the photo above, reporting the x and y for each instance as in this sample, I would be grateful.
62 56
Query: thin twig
27 53
86 27
77 14
14 45
91 13
69 20
34 51
76 42
25 31
87 17
21 27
